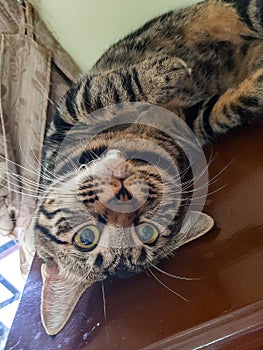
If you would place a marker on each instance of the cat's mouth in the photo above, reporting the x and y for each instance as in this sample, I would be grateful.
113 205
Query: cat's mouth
127 206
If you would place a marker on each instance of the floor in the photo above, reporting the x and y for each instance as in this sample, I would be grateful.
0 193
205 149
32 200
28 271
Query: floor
11 285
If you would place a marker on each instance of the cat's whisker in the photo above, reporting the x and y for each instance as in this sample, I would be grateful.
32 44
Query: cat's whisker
58 179
21 193
166 287
31 150
104 301
211 181
206 195
223 169
200 188
12 185
74 166
17 165
174 276
21 167
211 193
49 177
196 178
42 167
94 155
23 180
188 182
27 187
212 157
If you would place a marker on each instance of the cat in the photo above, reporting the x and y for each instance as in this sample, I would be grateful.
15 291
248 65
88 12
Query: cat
203 62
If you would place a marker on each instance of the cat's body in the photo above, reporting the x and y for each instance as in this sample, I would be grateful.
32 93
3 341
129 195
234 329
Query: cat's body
205 64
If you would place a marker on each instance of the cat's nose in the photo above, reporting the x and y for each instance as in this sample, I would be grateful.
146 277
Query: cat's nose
124 195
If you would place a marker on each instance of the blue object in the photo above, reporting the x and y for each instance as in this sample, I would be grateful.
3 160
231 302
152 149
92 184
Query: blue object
12 289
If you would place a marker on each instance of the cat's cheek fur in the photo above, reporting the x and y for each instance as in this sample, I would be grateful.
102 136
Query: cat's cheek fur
60 294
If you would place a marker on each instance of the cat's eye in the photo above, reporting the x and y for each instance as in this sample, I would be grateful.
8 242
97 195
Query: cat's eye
87 238
147 233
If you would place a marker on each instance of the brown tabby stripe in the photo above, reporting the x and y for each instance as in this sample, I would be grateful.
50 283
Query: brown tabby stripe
110 267
86 95
192 113
177 221
260 10
49 214
126 81
46 232
208 133
256 15
143 255
249 101
70 102
111 87
75 157
242 8
99 260
243 113
61 127
89 155
102 219
137 81
90 200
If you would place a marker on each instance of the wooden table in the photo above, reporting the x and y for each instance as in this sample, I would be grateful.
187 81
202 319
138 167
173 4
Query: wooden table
225 305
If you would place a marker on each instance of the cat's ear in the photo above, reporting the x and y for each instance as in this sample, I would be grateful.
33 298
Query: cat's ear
196 225
60 295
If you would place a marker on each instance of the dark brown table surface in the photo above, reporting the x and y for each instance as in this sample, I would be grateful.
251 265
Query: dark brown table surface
225 305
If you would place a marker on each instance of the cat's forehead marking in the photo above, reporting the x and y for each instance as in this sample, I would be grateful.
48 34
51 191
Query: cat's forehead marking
119 237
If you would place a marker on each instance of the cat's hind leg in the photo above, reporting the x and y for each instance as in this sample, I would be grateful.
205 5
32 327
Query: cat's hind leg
236 107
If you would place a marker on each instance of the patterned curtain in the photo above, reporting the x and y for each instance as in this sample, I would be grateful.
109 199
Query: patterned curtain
31 78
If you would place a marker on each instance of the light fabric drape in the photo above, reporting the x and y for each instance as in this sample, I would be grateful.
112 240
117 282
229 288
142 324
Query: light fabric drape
29 80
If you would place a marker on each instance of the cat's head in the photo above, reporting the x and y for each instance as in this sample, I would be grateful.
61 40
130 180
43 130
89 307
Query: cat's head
119 211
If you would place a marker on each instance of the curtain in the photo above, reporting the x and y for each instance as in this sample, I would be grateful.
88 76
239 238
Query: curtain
31 78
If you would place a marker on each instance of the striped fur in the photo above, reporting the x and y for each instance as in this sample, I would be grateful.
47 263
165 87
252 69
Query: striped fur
205 63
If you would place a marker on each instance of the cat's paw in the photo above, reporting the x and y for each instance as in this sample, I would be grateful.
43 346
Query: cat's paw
164 78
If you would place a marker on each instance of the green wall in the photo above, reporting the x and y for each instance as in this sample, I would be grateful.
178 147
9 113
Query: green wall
86 28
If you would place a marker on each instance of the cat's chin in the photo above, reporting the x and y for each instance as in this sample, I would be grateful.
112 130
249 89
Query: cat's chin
124 273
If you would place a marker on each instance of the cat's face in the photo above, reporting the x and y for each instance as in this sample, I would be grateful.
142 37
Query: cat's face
117 212
120 211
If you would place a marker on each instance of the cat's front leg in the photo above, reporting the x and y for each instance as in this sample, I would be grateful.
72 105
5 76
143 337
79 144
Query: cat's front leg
156 80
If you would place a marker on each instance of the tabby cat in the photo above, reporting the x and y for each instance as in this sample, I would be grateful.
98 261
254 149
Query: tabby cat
203 62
